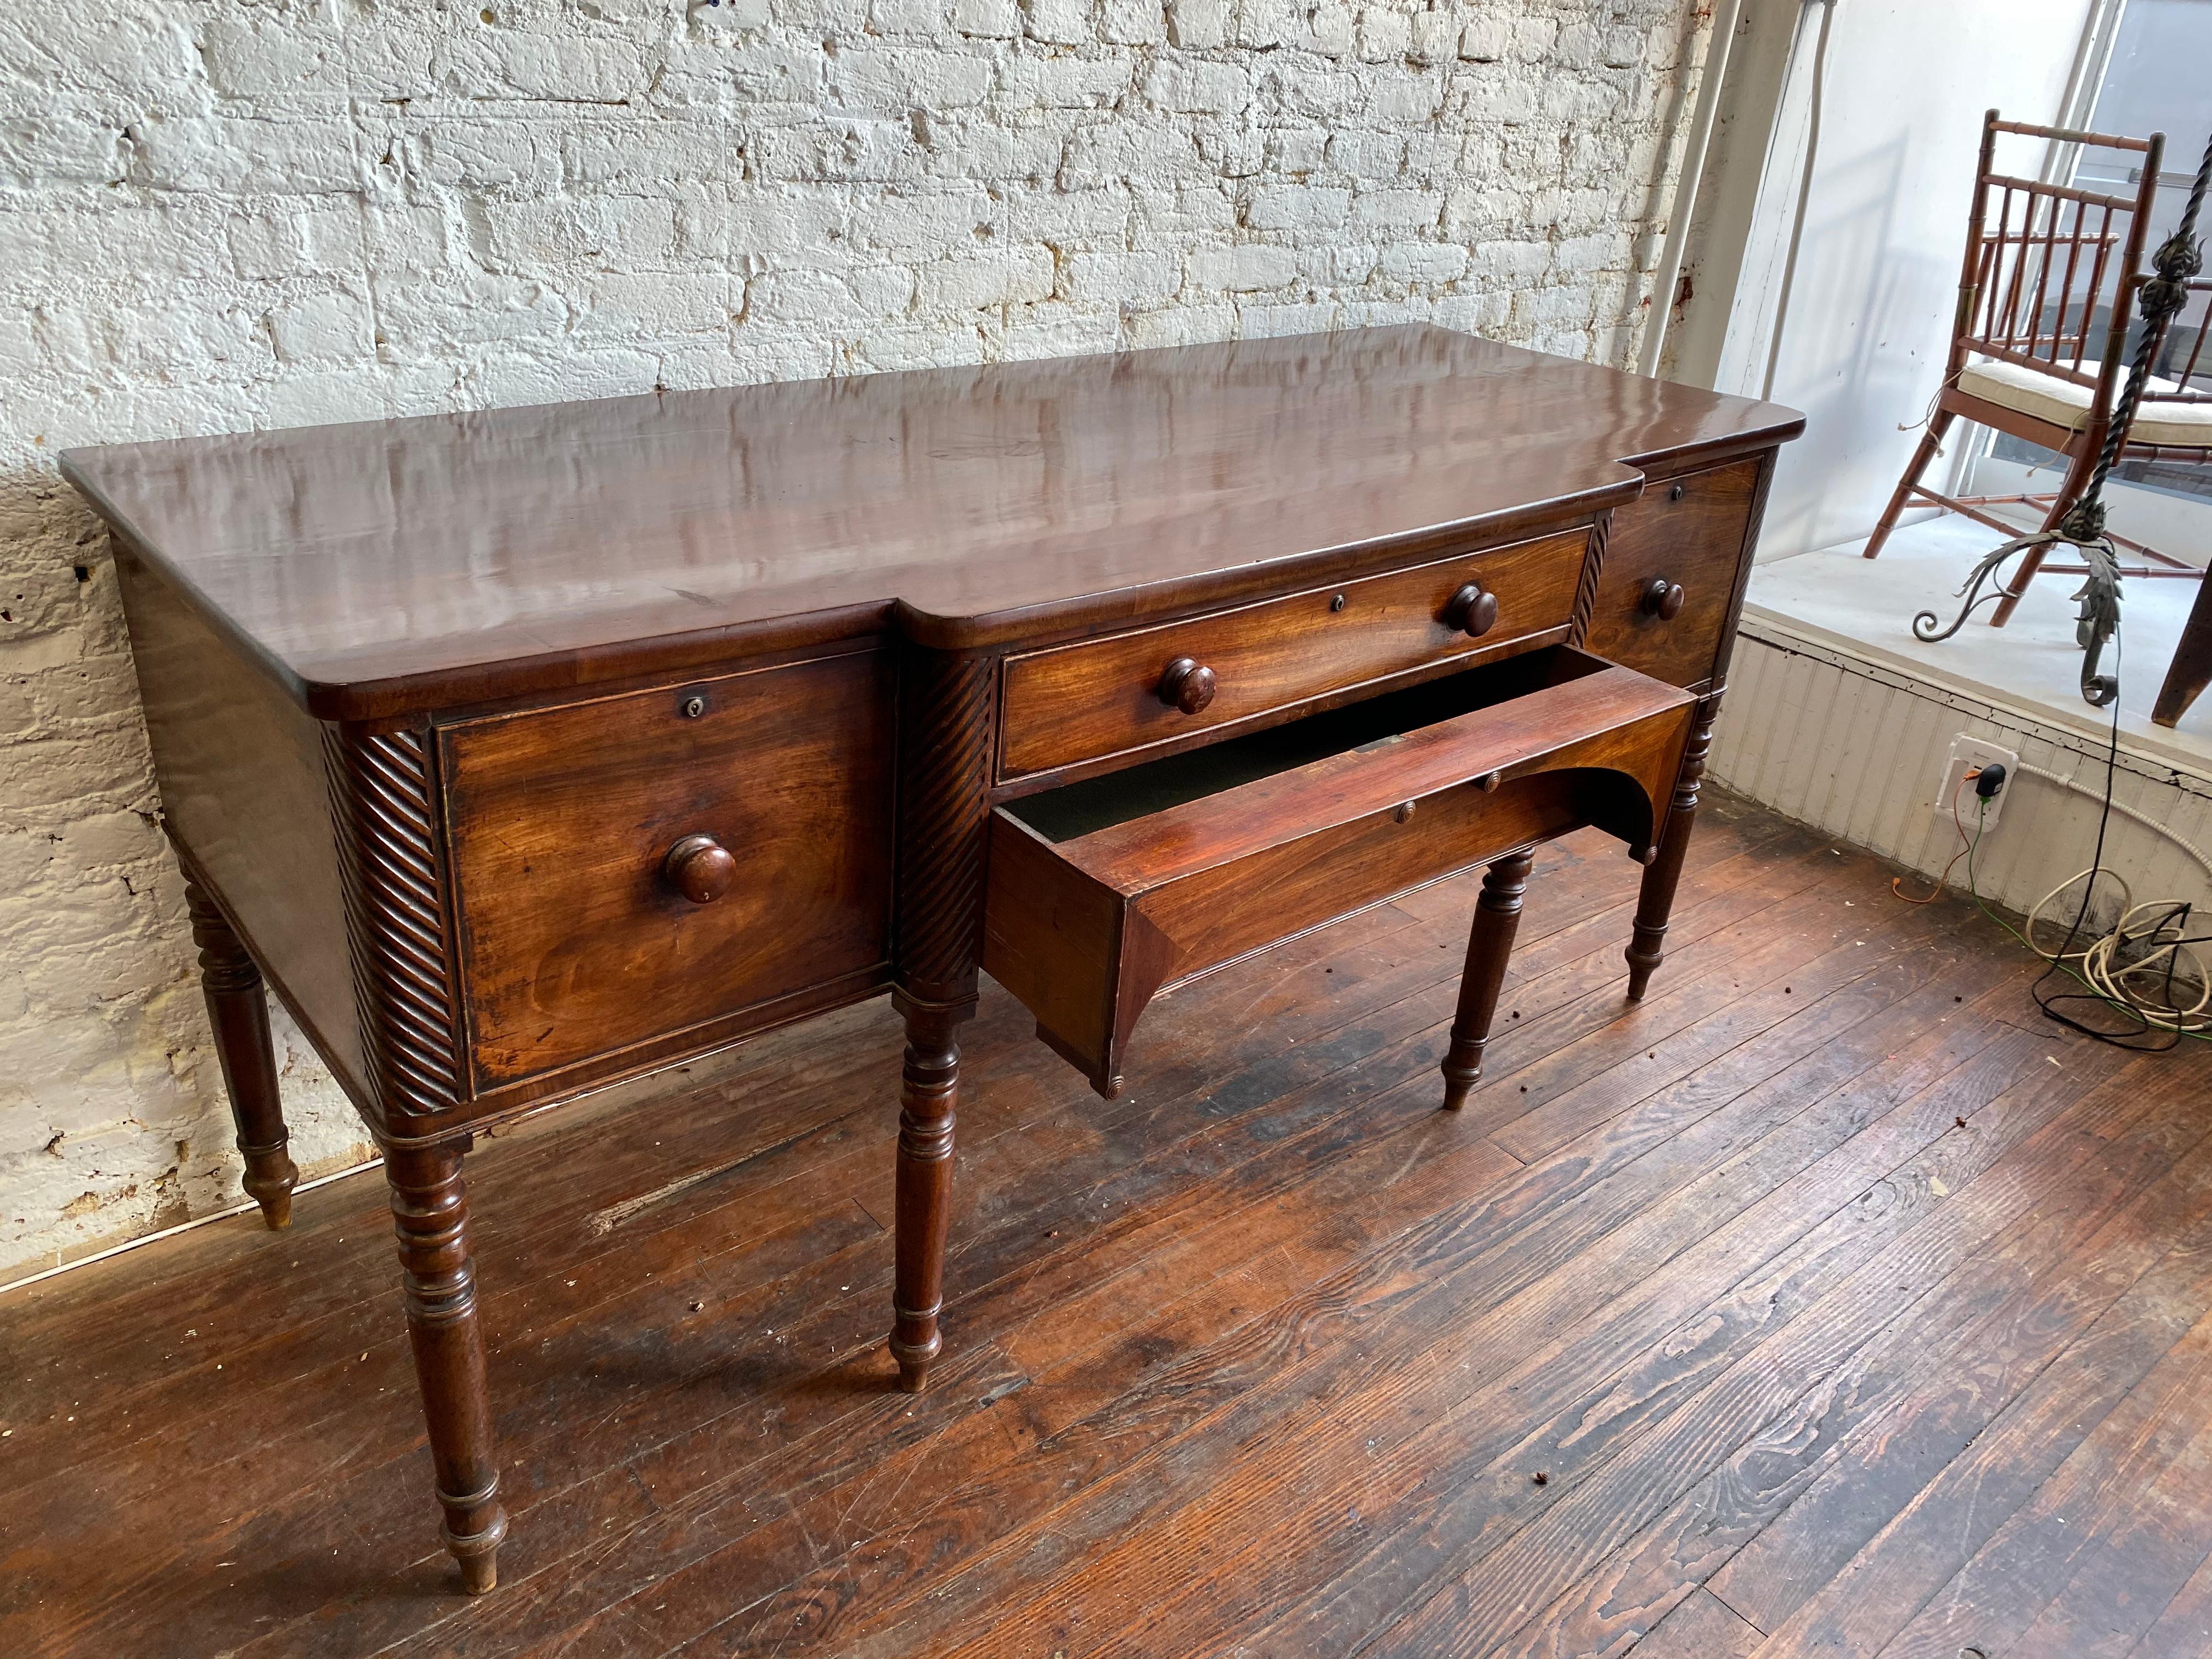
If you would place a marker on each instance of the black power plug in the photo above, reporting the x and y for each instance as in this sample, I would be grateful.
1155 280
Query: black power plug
1990 779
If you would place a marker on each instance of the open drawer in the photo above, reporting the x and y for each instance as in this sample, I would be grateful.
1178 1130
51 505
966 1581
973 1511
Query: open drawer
1104 893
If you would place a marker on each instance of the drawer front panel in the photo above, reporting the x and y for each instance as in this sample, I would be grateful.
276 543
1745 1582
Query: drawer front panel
1684 532
1079 702
577 937
1086 929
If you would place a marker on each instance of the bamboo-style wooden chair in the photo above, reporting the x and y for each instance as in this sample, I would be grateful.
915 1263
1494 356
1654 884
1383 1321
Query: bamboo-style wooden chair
2030 357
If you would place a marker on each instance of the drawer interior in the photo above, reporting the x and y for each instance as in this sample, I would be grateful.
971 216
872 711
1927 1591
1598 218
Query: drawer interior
1076 809
1104 893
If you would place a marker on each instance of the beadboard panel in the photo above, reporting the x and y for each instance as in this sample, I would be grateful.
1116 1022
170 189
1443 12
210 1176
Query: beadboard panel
1856 749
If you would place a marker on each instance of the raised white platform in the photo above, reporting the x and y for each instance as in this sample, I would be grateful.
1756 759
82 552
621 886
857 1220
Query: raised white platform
2031 664
1837 717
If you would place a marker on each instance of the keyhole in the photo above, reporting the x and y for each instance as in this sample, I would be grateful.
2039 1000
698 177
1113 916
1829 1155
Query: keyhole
694 706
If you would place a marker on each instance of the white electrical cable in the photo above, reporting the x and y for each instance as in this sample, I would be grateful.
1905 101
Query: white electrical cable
2148 951
2124 811
2155 953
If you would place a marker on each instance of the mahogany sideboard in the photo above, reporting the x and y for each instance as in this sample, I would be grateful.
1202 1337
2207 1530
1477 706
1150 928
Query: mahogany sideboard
523 751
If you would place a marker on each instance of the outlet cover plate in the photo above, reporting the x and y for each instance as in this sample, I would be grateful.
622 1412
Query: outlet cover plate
1967 754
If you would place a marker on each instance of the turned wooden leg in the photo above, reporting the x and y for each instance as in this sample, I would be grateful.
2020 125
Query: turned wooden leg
430 1213
930 1087
1489 944
1938 424
238 1009
1655 901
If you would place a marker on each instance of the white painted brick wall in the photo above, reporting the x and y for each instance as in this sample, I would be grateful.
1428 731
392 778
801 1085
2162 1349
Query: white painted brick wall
253 213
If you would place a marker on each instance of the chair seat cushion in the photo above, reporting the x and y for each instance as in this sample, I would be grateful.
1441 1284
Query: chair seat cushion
2062 402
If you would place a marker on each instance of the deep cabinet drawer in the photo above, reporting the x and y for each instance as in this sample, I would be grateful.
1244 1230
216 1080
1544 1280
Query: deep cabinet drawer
1107 697
1685 533
576 832
1104 893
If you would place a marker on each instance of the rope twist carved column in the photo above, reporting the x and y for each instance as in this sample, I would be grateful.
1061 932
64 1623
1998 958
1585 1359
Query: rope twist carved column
946 742
384 797
1586 589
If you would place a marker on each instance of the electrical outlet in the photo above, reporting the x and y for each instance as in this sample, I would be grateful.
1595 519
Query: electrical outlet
1968 753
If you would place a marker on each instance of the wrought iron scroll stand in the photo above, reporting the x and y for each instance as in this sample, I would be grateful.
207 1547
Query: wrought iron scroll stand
2160 297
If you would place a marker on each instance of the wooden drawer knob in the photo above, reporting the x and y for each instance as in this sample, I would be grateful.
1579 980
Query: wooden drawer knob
1472 611
701 868
1662 599
1188 685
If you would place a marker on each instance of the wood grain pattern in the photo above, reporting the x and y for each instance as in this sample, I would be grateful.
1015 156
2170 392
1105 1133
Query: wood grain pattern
2191 670
238 1013
1016 571
1762 489
947 737
245 802
1088 930
1489 949
384 812
947 724
1593 571
1701 1627
441 561
430 1218
1559 710
1099 697
574 941
1695 538
1647 943
1243 1361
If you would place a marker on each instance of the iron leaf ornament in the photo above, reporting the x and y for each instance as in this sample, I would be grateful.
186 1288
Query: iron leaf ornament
2178 258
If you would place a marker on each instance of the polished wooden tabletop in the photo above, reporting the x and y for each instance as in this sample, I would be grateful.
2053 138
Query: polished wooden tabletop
384 564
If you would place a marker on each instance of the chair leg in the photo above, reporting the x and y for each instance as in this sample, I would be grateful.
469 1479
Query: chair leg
1938 424
2077 480
2192 668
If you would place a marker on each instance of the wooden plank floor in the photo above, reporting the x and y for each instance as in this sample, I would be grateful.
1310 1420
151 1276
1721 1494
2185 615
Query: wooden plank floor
1829 1303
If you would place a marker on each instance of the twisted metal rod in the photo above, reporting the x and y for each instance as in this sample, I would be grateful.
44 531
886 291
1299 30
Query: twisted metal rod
2180 258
